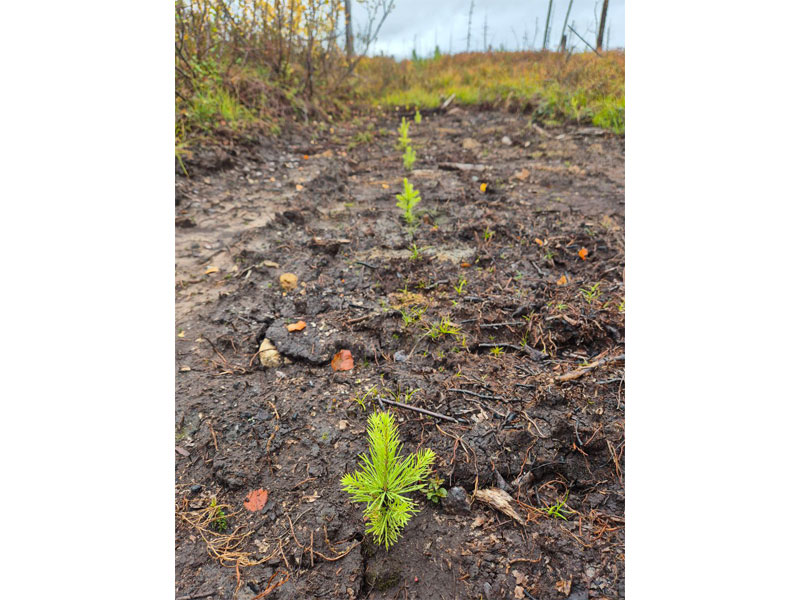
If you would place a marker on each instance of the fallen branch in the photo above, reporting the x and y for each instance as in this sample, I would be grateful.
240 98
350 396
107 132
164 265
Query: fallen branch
454 166
419 410
583 370
476 394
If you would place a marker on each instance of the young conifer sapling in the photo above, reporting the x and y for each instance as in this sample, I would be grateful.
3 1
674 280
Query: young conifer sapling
408 200
403 140
409 158
384 479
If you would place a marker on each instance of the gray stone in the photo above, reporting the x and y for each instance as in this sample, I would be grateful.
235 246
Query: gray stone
456 501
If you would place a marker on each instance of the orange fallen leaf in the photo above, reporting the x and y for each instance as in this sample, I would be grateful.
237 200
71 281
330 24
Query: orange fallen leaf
465 264
583 253
385 186
562 280
299 326
256 500
483 188
342 361
538 241
305 156
298 187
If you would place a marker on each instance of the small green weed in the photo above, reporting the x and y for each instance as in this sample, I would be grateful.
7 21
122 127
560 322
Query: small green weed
555 510
442 328
362 137
459 288
434 491
417 117
362 400
496 351
220 522
412 314
591 293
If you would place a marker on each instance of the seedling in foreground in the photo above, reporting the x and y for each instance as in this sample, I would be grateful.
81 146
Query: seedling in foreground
409 158
384 479
408 200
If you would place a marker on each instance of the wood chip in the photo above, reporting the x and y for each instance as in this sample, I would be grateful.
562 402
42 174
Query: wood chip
500 500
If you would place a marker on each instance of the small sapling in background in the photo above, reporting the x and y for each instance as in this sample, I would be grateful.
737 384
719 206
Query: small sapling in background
384 479
408 200
402 140
409 158
417 118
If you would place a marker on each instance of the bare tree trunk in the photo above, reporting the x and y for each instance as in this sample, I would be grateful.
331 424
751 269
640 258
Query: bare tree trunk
485 31
469 22
602 26
348 28
564 29
547 25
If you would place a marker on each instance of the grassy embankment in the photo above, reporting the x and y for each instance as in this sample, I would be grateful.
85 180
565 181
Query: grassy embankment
552 87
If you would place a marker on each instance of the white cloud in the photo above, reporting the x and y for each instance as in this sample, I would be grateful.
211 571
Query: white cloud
512 24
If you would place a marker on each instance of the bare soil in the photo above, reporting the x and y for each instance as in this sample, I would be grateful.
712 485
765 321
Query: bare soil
527 313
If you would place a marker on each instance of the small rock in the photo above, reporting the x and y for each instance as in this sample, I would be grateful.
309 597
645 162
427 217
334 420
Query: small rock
288 281
244 593
185 222
579 594
506 141
456 500
487 591
268 354
470 144
400 356
501 483
196 488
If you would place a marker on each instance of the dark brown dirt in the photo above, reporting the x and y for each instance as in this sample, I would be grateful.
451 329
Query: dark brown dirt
296 429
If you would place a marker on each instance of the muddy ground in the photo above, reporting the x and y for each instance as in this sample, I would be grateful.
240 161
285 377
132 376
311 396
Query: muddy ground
503 265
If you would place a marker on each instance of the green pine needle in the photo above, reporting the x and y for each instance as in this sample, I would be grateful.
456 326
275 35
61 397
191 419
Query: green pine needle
384 479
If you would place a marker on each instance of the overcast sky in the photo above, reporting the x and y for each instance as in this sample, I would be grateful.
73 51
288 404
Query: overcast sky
422 24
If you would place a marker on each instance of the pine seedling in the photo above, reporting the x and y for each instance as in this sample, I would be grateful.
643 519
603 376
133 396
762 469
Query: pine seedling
409 158
403 140
408 200
384 479
417 118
